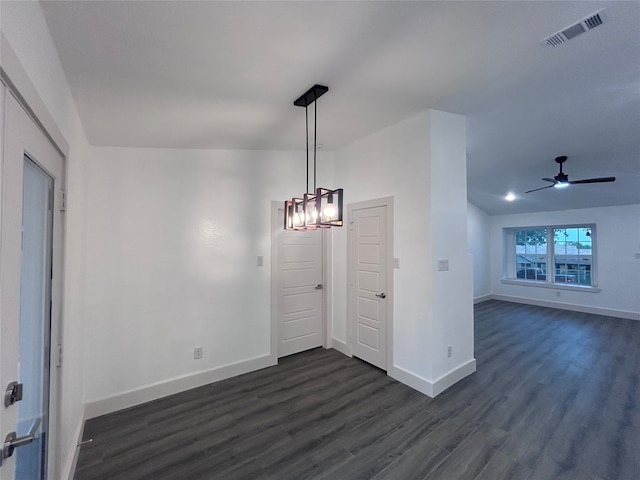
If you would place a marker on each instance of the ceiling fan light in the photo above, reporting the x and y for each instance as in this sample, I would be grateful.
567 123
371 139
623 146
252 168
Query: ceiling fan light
510 197
561 185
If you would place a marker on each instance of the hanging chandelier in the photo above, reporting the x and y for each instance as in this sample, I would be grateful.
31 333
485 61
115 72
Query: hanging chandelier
322 207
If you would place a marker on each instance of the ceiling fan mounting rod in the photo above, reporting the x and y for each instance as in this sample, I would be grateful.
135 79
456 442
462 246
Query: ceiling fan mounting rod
560 160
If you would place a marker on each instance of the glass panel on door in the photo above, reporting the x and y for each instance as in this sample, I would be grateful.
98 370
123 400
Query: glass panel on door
35 320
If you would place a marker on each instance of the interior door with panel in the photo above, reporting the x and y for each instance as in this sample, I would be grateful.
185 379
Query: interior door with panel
368 297
300 316
30 293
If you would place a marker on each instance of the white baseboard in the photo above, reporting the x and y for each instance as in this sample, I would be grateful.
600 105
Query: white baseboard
482 298
609 312
68 470
340 346
149 393
453 376
412 380
437 386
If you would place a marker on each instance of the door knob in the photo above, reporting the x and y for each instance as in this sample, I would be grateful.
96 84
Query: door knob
381 295
319 286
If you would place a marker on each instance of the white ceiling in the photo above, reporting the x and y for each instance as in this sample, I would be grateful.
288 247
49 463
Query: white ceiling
224 75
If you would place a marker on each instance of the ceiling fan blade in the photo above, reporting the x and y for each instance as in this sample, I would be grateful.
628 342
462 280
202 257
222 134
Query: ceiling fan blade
541 188
546 179
594 180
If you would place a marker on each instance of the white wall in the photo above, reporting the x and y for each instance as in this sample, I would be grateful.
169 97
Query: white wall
618 272
172 242
452 311
25 28
478 231
392 162
411 161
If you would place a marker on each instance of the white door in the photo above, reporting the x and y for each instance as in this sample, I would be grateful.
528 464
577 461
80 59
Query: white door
30 292
368 284
300 324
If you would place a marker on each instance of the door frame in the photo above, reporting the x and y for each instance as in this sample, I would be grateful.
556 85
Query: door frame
378 202
15 81
24 139
276 227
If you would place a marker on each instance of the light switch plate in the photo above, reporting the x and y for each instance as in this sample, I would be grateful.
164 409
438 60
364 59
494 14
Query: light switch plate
443 265
396 262
260 261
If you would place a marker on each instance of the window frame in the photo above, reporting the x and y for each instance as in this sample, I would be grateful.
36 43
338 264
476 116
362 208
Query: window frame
510 255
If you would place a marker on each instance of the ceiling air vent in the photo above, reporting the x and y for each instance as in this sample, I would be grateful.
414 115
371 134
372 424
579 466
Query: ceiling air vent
588 23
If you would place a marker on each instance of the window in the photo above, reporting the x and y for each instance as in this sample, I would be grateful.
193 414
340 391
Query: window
555 255
572 249
531 254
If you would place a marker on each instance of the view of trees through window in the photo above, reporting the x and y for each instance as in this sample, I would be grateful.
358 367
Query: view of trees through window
556 254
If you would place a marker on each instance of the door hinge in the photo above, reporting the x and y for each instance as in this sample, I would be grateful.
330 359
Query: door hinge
59 355
63 200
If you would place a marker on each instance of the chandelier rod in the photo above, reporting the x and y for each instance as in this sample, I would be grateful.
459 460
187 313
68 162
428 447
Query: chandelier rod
306 129
315 145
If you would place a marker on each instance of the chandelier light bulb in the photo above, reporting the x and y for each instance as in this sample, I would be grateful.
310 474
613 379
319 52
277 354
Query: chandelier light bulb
330 210
312 212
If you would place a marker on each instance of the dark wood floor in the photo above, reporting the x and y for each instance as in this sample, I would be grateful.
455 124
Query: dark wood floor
556 396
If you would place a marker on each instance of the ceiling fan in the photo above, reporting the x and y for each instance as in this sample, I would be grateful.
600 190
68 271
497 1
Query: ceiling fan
561 180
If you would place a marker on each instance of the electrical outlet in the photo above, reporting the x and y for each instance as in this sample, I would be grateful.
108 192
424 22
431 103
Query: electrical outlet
197 353
558 294
449 351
